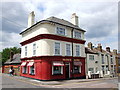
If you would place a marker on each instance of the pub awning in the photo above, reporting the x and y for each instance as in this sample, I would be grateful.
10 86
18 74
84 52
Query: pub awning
58 63
23 63
77 63
30 64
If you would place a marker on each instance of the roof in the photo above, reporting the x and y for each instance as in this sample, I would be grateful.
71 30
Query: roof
91 51
16 59
56 21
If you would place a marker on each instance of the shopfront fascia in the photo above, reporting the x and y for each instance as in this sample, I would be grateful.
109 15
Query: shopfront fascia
52 68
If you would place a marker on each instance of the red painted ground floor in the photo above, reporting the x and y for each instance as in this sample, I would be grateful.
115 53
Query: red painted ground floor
53 67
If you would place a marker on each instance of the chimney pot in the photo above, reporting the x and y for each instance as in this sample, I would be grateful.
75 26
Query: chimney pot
99 47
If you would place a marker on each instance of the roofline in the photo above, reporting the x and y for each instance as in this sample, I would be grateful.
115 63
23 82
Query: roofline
52 22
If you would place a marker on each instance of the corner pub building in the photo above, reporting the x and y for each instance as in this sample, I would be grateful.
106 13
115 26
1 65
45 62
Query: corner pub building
53 49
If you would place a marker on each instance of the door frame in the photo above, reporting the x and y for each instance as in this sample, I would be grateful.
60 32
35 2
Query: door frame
67 63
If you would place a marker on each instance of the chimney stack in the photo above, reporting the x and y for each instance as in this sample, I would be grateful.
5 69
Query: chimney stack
99 47
90 45
108 49
74 19
115 51
31 19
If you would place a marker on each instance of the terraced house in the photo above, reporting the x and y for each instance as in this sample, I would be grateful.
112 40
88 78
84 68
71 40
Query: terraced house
53 49
99 62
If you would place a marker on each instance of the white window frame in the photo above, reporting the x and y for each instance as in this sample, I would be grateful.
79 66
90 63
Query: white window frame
23 69
66 49
53 70
75 31
26 50
30 70
80 69
60 49
57 29
34 49
76 50
91 57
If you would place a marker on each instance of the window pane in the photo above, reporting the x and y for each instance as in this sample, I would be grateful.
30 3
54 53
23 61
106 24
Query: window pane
91 57
77 34
60 31
56 69
76 69
68 51
57 48
34 49
26 51
77 50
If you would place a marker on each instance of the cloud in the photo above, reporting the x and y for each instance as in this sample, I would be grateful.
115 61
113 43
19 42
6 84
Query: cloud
99 19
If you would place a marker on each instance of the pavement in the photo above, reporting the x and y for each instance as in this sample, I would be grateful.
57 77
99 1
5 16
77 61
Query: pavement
60 82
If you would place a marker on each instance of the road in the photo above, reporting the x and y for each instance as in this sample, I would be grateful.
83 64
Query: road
20 82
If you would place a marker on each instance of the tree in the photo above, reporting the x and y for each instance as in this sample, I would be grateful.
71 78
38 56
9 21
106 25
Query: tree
5 54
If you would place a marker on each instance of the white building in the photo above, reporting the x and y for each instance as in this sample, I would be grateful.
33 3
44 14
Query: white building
53 49
99 62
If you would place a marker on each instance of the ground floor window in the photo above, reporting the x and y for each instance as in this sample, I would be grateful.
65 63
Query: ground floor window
77 69
91 69
57 70
24 69
32 70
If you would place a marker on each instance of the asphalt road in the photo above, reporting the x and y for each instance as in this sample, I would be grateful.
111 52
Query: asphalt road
20 82
11 82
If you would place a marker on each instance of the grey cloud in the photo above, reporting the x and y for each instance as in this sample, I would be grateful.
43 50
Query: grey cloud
14 17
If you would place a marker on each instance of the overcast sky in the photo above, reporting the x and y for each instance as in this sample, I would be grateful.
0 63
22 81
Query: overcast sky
99 19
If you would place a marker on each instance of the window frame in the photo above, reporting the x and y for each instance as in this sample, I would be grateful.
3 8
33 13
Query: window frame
34 49
91 58
59 48
24 70
79 50
76 36
33 69
60 27
92 69
66 49
61 72
79 69
26 50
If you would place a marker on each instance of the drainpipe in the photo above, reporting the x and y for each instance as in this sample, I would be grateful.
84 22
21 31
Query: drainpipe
72 54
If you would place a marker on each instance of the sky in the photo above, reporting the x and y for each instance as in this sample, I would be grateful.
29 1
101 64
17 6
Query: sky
98 18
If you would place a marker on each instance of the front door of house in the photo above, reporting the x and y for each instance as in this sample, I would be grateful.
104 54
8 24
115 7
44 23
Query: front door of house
67 70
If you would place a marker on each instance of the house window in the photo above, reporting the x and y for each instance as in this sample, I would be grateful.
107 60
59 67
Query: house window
102 57
91 57
57 48
91 69
34 49
32 70
118 61
77 50
24 69
60 31
96 69
68 51
103 69
57 70
111 60
77 69
25 50
77 34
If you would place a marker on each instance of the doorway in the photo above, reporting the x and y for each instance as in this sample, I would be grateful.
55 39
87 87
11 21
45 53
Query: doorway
67 70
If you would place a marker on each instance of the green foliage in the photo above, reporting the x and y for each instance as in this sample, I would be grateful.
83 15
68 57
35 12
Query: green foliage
5 54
